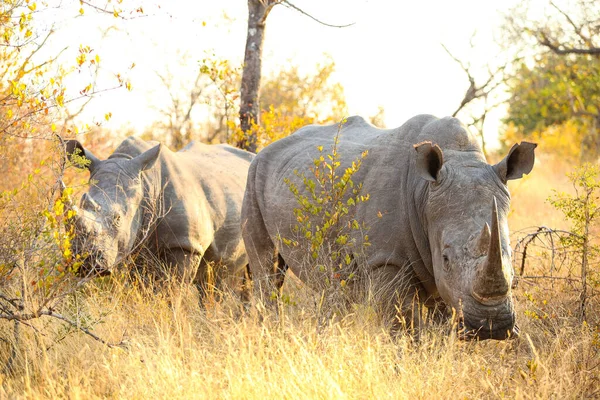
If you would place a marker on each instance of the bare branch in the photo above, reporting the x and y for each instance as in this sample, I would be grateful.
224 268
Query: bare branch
50 313
301 11
21 318
561 49
573 24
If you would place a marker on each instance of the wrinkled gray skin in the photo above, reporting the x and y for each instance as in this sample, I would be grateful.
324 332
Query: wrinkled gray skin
441 240
184 207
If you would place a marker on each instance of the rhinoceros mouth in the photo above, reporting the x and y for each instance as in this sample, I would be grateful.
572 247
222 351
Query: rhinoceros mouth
488 329
93 266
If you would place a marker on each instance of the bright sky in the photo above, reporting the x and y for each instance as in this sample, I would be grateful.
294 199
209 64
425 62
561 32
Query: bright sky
392 56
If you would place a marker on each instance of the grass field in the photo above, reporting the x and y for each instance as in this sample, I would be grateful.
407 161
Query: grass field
173 349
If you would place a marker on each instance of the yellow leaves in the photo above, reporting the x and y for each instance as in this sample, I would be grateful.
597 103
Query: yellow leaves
128 85
107 116
9 113
22 22
59 207
7 35
53 127
81 58
81 11
32 6
60 100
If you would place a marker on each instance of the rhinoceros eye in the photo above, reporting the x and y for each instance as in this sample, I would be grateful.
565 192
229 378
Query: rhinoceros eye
446 262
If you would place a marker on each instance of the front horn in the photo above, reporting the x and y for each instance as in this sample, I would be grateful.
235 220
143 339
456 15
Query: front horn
490 283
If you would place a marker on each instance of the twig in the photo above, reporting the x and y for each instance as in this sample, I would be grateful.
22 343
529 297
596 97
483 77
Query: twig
301 11
50 313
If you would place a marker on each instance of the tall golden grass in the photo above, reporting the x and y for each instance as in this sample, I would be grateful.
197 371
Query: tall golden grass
174 349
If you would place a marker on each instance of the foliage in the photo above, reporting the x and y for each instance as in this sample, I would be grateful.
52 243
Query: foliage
225 79
564 140
556 80
326 227
200 109
553 91
311 95
38 270
290 100
583 211
208 109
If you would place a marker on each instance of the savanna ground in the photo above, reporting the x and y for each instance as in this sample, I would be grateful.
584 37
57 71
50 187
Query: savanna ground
173 349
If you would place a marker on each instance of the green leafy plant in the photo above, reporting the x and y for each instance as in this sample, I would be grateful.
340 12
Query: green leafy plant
326 224
583 210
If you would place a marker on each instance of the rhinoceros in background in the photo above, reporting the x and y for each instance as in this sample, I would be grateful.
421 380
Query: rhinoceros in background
184 207
443 226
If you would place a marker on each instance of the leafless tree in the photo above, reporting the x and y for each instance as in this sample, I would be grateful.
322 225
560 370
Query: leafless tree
178 122
580 34
486 92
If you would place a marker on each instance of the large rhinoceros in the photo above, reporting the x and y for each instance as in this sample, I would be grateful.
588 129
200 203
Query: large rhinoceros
437 216
184 207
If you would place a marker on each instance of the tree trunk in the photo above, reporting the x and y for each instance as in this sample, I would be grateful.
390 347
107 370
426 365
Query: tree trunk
258 10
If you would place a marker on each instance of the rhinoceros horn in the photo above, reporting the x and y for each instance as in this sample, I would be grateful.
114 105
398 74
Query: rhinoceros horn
490 284
479 245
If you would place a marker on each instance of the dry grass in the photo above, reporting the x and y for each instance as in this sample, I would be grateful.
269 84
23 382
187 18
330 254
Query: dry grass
176 350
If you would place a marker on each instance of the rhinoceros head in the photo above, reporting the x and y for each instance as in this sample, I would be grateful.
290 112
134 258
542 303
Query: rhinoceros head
465 218
110 214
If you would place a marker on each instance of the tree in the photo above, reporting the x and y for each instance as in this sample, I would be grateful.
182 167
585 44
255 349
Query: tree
291 100
313 95
202 109
555 90
37 264
258 11
579 33
482 95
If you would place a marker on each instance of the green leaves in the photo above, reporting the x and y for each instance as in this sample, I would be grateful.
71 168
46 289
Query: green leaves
555 90
325 213
583 207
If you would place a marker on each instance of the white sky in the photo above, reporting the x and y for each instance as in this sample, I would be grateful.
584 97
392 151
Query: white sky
391 57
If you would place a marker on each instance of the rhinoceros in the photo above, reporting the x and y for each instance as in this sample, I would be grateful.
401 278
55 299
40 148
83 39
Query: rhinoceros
436 215
184 207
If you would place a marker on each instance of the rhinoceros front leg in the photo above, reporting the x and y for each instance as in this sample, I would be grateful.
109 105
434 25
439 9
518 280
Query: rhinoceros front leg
182 265
399 297
197 269
265 266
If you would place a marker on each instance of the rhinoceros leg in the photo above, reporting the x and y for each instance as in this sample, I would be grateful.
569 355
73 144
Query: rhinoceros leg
246 292
183 264
266 266
399 296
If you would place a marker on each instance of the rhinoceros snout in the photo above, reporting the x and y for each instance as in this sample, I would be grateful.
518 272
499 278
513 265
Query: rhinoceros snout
93 265
489 329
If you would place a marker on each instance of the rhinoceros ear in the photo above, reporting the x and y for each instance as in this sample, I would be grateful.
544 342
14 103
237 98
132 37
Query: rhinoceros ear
519 161
429 160
74 147
147 159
